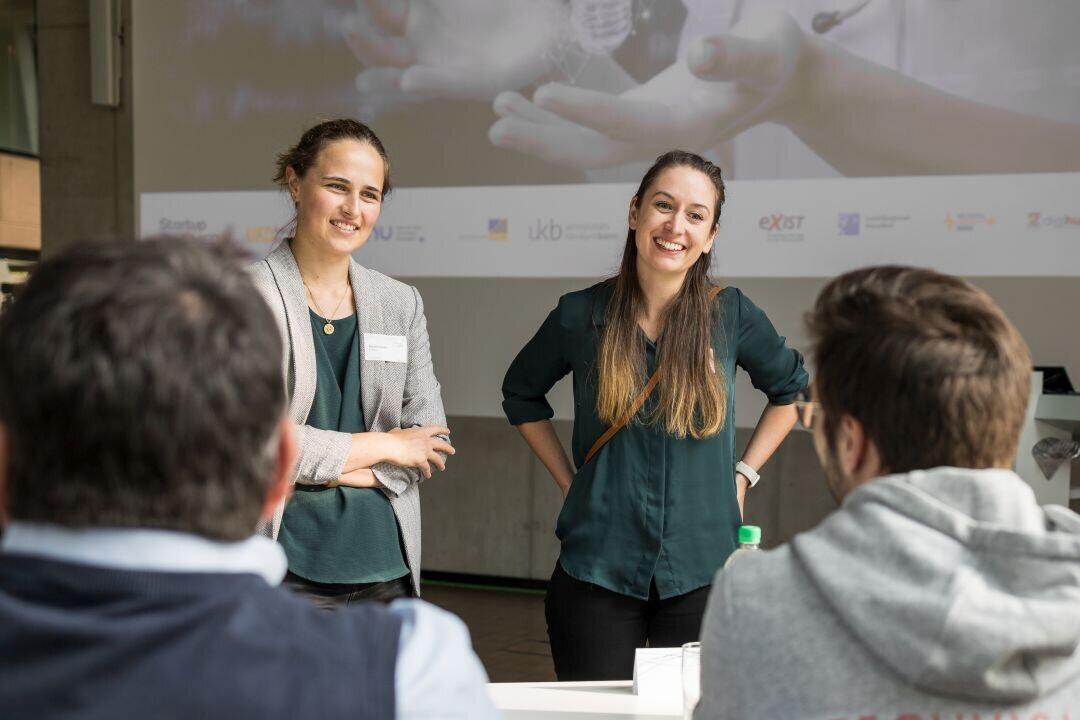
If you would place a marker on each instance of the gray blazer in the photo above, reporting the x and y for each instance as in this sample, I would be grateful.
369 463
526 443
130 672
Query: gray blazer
393 395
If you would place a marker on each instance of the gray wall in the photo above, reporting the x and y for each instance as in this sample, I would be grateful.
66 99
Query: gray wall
493 511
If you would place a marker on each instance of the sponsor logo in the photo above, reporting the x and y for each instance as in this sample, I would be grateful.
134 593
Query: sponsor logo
782 228
550 231
191 227
197 229
968 221
779 222
398 233
1037 220
849 223
884 222
498 229
856 224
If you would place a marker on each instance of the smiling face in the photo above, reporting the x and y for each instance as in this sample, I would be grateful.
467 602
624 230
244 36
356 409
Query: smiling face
339 198
673 221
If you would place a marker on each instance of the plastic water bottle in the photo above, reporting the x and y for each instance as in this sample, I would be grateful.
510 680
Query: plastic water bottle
749 541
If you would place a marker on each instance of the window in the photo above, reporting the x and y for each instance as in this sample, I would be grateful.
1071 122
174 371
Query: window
18 78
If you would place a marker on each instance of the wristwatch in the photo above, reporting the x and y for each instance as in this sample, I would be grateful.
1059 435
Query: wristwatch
747 472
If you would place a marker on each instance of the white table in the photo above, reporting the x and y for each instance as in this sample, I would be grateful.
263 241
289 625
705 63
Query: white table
580 701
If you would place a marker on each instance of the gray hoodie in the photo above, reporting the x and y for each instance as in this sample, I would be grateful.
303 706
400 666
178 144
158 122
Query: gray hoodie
947 593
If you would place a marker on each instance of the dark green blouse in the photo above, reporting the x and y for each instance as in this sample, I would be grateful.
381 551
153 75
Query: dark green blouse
648 506
340 534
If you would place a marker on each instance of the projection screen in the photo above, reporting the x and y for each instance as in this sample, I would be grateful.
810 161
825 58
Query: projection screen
943 133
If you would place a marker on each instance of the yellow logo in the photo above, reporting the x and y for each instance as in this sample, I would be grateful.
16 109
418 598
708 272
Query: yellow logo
966 222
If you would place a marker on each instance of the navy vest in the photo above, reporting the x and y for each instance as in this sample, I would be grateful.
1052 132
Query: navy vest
79 641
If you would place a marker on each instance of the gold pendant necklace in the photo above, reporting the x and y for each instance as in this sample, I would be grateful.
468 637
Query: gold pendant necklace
328 328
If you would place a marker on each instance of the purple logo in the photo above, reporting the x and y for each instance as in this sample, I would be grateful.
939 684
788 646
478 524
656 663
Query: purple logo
849 224
498 229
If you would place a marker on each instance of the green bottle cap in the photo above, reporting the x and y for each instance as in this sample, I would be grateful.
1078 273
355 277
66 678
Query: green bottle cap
749 535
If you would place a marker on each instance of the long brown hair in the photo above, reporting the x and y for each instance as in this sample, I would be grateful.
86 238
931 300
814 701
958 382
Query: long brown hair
692 390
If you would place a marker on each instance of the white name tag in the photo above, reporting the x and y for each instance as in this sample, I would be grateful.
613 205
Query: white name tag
387 348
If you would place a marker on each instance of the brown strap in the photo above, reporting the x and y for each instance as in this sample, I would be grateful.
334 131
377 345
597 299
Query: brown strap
642 396
634 407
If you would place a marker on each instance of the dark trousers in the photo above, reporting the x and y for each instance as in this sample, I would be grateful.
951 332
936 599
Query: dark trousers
594 631
331 596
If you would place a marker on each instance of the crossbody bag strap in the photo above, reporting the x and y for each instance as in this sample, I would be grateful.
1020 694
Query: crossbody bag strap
639 401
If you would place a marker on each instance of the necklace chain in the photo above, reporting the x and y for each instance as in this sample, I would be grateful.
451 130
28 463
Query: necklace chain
328 327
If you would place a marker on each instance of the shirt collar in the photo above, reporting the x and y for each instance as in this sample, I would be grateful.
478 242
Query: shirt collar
146 550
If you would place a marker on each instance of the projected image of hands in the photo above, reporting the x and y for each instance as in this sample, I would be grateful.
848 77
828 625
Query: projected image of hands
415 50
876 88
726 84
566 91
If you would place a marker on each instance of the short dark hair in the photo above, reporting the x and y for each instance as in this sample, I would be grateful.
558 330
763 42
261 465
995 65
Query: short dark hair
926 362
141 386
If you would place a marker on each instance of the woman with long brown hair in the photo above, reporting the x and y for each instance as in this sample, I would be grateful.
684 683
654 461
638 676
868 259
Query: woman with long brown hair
653 500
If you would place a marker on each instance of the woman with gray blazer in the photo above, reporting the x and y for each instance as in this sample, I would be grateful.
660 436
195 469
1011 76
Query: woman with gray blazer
362 389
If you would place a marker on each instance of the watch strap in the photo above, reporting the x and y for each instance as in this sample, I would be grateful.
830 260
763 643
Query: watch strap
747 472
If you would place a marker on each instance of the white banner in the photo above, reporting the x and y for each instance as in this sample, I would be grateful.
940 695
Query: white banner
970 225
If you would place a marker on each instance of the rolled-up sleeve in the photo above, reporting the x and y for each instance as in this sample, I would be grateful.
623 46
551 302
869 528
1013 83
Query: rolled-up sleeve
774 368
322 455
540 364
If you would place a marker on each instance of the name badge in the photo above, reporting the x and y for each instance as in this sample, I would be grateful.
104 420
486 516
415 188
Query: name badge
387 348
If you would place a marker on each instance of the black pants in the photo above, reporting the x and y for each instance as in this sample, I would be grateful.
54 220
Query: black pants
331 596
594 631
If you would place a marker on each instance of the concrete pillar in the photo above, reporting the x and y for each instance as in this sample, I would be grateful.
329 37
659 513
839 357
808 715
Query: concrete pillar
87 174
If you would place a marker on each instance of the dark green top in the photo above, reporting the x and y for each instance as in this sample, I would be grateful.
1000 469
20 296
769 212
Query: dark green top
341 534
648 506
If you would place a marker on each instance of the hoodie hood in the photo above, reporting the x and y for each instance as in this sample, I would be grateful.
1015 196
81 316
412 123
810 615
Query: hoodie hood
956 579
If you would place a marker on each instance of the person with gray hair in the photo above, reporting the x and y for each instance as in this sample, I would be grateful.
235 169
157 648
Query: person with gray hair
143 437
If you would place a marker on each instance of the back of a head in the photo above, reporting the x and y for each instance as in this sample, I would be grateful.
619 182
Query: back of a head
141 387
927 363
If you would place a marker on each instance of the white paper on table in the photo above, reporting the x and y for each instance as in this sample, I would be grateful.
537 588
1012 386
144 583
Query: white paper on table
658 671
